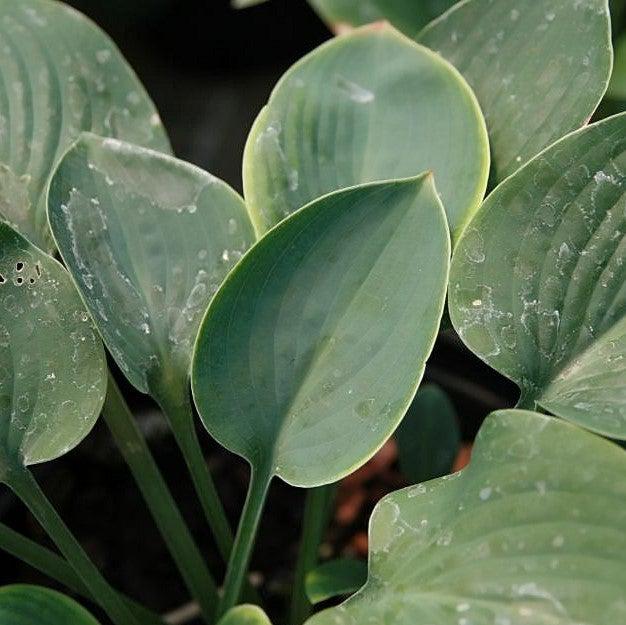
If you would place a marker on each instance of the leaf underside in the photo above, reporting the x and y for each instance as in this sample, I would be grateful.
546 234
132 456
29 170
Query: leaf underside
313 347
537 287
532 532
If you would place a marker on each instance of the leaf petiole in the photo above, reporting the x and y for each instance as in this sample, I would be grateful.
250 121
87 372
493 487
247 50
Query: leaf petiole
24 485
244 541
317 510
55 567
181 545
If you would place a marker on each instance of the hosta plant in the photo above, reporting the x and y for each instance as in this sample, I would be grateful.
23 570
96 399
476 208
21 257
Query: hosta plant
432 171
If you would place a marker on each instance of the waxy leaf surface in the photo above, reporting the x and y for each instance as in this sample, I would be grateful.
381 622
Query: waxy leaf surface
368 106
539 68
312 350
533 532
428 437
148 239
32 605
537 286
408 16
52 367
59 75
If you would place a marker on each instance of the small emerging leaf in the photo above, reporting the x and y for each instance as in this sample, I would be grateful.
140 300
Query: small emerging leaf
245 615
52 366
148 239
59 75
313 348
334 579
244 4
367 106
537 281
531 533
32 605
539 68
429 436
409 16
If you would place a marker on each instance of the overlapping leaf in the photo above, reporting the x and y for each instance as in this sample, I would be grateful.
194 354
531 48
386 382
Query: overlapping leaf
406 15
537 281
532 532
367 106
32 605
60 75
52 367
148 239
312 350
539 68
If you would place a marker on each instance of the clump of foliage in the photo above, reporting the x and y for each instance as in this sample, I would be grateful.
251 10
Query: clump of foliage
299 320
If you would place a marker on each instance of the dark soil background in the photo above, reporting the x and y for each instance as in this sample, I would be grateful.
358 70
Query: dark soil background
209 70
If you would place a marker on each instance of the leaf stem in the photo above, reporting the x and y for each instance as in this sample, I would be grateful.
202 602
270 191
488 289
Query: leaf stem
158 497
244 541
55 567
317 509
24 485
182 423
527 399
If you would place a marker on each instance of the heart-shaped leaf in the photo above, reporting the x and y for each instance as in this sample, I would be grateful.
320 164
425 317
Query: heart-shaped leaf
335 578
539 68
148 239
52 367
245 615
537 281
429 436
532 532
408 16
312 350
367 106
61 75
32 605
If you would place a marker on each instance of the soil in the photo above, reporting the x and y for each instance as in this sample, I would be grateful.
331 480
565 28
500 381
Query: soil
226 74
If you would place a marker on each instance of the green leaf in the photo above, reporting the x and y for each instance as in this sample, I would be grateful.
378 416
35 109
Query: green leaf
245 615
52 367
312 350
537 281
539 69
617 86
244 4
32 605
335 578
532 532
60 75
148 239
367 106
429 436
408 16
